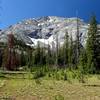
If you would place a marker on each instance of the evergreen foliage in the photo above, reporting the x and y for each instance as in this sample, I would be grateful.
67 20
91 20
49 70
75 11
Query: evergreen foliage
92 46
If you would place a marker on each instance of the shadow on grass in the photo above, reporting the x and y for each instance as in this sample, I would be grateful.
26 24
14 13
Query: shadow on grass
6 98
90 85
8 78
4 77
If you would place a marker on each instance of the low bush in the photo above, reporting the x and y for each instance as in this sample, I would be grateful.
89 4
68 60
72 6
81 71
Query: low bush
38 74
38 81
59 97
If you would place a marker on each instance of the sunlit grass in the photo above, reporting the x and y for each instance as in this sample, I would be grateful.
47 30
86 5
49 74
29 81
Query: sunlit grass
50 89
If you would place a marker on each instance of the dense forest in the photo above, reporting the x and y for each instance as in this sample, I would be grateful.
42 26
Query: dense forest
15 55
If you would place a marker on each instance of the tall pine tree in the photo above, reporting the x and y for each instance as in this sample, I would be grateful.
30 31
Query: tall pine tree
92 45
70 53
66 49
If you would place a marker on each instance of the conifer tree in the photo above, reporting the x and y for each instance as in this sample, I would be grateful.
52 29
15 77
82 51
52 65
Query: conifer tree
5 58
77 44
70 53
57 44
22 58
66 50
91 46
30 61
61 56
83 60
9 58
0 57
48 56
37 54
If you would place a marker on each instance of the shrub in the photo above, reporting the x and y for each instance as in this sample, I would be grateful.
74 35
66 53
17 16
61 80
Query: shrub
80 76
70 75
98 76
59 97
38 74
58 75
38 81
65 76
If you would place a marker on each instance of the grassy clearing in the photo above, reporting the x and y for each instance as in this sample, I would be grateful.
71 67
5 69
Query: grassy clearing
49 89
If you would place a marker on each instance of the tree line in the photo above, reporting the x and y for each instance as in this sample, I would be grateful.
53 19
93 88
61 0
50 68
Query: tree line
72 54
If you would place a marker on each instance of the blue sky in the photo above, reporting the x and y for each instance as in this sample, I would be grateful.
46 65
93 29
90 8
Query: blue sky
14 11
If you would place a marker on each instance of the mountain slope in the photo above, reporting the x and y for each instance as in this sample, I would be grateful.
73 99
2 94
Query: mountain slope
44 29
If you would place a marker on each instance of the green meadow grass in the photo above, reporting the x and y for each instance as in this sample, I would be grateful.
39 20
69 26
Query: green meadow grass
49 89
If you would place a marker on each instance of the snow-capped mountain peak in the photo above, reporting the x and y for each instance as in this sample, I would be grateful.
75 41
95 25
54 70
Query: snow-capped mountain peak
44 29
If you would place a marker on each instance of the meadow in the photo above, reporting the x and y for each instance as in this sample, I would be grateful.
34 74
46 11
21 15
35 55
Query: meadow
26 86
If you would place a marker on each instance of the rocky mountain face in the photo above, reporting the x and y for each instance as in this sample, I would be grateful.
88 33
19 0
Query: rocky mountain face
45 30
